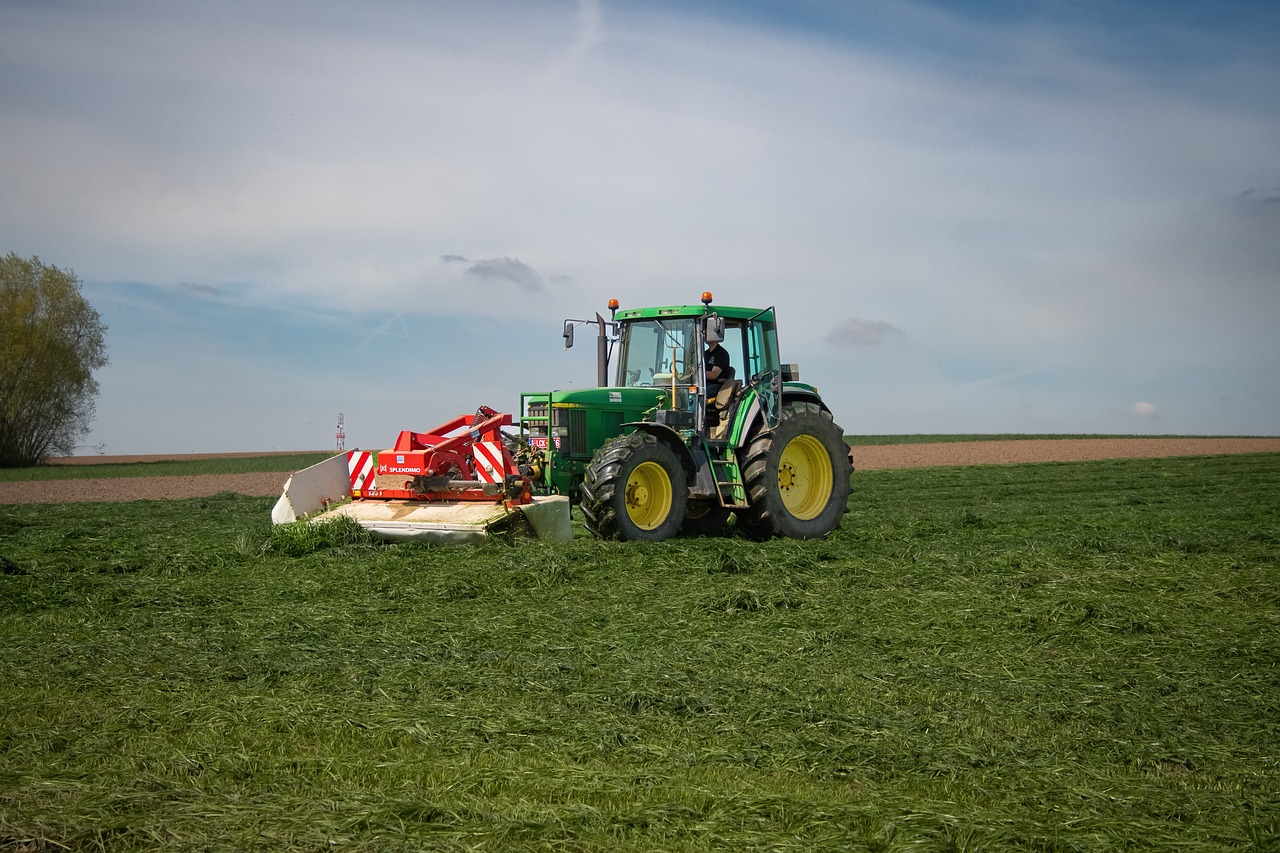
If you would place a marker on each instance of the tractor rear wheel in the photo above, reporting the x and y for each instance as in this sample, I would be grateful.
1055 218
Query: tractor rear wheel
797 476
635 488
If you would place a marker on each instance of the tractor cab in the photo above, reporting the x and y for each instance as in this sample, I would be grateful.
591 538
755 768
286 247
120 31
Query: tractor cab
664 348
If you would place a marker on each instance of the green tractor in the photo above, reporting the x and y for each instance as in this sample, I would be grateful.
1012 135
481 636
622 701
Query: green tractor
673 447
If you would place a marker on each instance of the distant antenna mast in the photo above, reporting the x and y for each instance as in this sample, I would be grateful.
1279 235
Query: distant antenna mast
342 434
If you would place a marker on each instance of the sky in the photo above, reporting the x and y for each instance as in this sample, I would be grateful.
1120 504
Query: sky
996 217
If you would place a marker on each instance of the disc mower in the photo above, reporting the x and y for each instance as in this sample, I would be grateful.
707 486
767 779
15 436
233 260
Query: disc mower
455 483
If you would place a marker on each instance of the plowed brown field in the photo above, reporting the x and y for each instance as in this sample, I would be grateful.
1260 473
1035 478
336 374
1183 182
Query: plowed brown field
865 459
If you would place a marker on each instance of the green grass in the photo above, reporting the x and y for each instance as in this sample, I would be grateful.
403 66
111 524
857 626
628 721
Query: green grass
287 462
1055 657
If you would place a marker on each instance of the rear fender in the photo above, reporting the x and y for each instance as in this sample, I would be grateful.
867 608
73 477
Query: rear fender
750 420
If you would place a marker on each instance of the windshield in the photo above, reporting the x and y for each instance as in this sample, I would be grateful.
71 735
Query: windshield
649 348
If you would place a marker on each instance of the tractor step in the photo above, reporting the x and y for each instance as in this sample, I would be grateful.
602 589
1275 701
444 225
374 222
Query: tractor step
728 478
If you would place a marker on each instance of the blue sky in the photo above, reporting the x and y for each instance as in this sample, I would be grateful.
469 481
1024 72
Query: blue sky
971 217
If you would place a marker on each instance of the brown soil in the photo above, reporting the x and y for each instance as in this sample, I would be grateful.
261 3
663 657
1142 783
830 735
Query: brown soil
865 459
139 488
1051 450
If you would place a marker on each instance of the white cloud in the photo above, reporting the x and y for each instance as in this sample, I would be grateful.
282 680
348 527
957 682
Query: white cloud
511 270
198 289
861 332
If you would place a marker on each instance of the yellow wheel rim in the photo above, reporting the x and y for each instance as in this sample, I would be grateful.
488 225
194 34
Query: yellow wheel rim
804 477
648 495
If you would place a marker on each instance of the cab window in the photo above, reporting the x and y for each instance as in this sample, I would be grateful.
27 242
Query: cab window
650 349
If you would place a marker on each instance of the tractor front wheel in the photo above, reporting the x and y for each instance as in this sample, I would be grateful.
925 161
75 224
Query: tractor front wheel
797 476
635 488
706 518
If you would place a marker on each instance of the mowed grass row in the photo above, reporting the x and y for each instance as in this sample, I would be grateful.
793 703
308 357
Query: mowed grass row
1079 656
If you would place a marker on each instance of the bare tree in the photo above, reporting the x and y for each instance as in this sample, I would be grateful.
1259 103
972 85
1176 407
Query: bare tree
51 341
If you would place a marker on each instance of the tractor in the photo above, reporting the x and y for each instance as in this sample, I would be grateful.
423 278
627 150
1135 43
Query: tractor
662 450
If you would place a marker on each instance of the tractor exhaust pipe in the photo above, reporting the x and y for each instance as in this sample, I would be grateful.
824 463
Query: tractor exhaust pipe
602 353
603 342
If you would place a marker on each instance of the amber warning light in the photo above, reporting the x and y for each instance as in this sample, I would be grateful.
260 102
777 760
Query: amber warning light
706 297
613 305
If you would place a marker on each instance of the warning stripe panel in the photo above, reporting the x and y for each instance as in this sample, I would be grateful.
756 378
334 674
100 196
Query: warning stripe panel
360 467
490 466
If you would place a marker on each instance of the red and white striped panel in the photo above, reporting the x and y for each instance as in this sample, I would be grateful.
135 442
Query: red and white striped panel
360 467
490 466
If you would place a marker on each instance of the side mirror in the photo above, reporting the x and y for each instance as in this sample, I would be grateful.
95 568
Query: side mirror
715 328
568 334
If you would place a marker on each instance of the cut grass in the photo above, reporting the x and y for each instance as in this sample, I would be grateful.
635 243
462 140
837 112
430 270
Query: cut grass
1076 656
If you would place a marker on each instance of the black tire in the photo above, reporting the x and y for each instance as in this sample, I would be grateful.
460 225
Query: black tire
796 475
706 518
635 488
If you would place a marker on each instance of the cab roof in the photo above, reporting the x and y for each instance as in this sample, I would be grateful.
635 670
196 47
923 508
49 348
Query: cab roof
729 312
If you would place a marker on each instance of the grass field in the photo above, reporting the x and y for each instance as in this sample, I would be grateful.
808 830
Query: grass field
1053 657
285 463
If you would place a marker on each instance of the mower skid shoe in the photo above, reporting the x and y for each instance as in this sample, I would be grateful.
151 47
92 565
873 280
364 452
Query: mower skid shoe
313 489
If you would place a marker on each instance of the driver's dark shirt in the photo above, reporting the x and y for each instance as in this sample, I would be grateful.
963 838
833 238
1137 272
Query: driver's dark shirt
718 357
